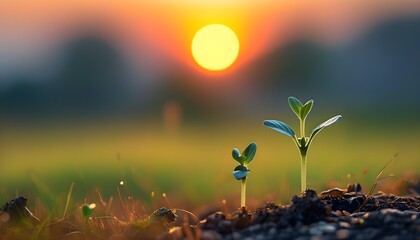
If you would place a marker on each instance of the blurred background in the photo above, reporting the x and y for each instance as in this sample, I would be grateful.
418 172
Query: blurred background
98 92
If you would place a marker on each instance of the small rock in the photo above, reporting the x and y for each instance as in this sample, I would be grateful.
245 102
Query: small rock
16 211
272 231
315 231
260 237
236 235
212 235
328 228
343 224
345 213
371 233
342 234
388 219
254 228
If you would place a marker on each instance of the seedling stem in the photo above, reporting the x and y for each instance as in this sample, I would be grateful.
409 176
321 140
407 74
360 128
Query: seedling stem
302 128
303 164
243 192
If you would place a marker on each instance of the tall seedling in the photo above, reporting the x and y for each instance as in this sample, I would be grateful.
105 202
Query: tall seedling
302 142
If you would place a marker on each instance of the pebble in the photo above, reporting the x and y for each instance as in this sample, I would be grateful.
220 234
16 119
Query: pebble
270 225
260 237
345 213
211 235
272 231
255 228
342 234
371 233
315 231
342 224
388 219
236 235
316 238
393 237
320 228
329 228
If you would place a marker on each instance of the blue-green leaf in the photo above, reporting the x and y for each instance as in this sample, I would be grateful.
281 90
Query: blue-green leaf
236 155
295 105
279 127
249 152
240 172
322 126
306 109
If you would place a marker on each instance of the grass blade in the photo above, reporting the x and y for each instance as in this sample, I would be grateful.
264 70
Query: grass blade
380 173
68 199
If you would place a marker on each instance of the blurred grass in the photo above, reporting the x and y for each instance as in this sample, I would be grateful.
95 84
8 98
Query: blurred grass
192 165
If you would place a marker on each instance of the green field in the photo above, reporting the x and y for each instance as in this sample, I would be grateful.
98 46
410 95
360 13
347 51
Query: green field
193 164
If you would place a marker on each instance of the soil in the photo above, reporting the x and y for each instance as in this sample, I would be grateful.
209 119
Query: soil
333 214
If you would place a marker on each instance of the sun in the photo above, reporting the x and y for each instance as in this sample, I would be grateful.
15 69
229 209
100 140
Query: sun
215 47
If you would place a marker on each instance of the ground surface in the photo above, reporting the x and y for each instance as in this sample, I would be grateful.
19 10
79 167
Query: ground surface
333 214
349 216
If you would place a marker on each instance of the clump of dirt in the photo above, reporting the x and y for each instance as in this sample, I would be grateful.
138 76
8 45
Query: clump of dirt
224 224
303 210
362 203
15 212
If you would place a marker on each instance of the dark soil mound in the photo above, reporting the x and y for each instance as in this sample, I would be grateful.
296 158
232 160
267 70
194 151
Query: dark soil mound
344 215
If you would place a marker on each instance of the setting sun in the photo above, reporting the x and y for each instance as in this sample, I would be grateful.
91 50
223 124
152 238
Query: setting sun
215 47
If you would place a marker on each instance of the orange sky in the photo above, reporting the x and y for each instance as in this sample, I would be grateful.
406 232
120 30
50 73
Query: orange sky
163 29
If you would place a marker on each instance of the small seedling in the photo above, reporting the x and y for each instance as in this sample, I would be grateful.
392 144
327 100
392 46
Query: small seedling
241 171
303 143
87 211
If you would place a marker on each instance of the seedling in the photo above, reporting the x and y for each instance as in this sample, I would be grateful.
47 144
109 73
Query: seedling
302 142
87 211
241 171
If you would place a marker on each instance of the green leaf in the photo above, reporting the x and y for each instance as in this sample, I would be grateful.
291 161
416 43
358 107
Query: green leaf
295 105
304 111
322 126
87 210
240 172
249 152
241 160
279 127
